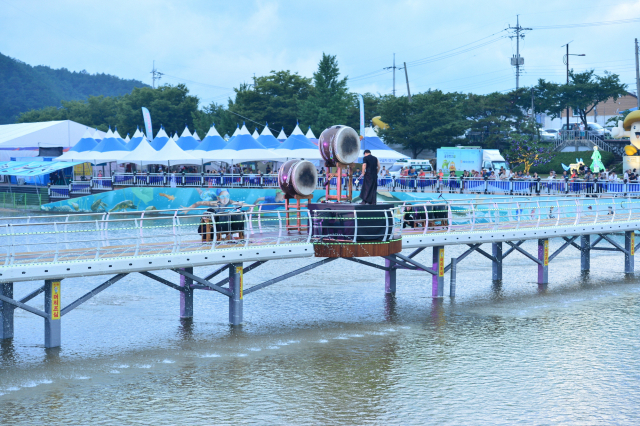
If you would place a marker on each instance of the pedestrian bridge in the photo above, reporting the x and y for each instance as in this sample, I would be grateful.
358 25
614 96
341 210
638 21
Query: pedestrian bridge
55 247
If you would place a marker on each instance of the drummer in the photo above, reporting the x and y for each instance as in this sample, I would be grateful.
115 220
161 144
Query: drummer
370 167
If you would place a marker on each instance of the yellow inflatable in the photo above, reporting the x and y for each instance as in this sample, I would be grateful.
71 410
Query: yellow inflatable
631 128
381 124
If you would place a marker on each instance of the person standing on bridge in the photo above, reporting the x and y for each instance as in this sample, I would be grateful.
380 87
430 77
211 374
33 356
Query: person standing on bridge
370 167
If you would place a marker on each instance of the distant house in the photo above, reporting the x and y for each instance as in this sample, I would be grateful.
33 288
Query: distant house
600 114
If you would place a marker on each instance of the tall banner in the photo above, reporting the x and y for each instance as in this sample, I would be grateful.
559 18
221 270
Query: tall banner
361 115
147 123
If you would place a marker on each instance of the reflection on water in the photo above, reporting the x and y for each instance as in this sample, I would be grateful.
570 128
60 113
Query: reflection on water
330 347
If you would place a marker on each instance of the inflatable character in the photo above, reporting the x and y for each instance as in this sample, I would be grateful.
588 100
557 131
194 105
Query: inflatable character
630 128
452 166
596 165
577 166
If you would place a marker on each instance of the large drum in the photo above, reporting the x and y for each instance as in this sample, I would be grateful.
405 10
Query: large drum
298 177
339 144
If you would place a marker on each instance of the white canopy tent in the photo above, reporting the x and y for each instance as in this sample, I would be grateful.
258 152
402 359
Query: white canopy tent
170 154
243 148
298 145
140 154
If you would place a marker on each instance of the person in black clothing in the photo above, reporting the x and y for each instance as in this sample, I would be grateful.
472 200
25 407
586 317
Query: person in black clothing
370 167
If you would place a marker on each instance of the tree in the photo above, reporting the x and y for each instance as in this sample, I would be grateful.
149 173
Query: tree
494 116
433 119
329 100
583 93
274 99
170 106
527 151
214 114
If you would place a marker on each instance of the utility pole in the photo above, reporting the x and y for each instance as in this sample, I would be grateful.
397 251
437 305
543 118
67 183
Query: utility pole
637 75
566 61
532 111
517 60
394 73
155 75
407 77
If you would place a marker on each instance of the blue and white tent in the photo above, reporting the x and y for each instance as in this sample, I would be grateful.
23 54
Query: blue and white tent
282 136
267 139
244 148
211 142
312 137
298 146
97 136
110 149
187 142
196 136
127 139
255 134
135 140
160 140
117 136
79 151
234 134
378 148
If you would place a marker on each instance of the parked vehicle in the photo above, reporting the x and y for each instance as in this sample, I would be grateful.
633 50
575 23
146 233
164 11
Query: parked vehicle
416 164
548 135
493 160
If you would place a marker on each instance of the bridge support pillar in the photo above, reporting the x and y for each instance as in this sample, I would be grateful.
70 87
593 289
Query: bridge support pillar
389 277
585 252
543 257
496 267
437 284
6 312
52 326
186 296
235 301
630 251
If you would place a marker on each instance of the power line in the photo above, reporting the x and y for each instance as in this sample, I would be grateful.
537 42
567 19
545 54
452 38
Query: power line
517 60
155 74
587 24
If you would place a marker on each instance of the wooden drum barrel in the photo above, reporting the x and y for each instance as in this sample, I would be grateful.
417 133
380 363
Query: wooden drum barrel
298 177
339 144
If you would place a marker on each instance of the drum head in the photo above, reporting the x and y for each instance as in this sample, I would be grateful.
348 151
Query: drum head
347 145
304 177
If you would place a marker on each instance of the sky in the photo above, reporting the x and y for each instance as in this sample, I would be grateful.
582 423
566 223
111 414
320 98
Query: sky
213 46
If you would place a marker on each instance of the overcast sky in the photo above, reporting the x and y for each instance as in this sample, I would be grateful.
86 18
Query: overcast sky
212 46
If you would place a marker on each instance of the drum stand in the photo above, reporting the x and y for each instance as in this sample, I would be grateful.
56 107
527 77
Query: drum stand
339 196
288 205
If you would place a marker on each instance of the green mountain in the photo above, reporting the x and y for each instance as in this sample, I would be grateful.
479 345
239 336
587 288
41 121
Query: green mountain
24 87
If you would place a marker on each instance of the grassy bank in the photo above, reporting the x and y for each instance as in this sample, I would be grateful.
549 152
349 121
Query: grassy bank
568 158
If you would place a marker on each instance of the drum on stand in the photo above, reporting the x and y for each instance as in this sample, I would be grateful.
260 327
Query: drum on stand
298 178
339 144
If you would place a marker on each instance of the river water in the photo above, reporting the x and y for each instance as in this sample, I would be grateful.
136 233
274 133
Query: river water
327 347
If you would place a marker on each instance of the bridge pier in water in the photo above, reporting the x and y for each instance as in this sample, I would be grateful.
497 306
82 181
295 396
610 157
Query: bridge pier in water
585 253
6 311
630 251
496 263
236 299
52 325
437 278
389 277
186 296
543 262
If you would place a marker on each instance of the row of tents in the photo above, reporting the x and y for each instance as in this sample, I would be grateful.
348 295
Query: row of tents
188 149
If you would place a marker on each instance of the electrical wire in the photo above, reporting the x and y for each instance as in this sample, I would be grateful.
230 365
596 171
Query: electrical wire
587 24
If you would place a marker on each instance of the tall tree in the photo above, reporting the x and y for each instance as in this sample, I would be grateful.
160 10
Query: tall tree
433 119
273 98
583 93
329 101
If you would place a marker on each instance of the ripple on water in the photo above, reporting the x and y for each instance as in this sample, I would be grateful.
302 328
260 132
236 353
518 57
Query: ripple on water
207 355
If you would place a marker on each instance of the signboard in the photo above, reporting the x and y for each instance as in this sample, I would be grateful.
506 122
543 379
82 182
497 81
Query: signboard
147 123
239 271
546 252
34 168
84 169
441 263
55 300
458 160
633 244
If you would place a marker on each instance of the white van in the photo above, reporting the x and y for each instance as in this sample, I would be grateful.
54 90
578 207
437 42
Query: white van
493 160
416 164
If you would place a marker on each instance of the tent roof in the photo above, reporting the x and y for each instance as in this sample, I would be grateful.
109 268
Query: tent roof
108 145
255 134
140 153
237 131
369 132
243 140
127 139
133 143
297 140
160 139
195 135
310 134
211 142
267 139
87 143
188 142
98 135
282 135
137 133
46 134
171 153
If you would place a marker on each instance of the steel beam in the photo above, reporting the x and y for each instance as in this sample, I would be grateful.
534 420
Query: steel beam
416 252
389 277
23 306
216 272
31 295
496 264
573 244
245 270
162 280
585 252
437 279
236 299
521 250
395 262
186 296
289 275
52 326
615 244
630 251
543 261
92 293
204 282
6 311
562 247
364 262
512 249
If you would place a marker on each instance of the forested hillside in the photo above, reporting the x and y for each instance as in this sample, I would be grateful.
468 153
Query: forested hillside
24 87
